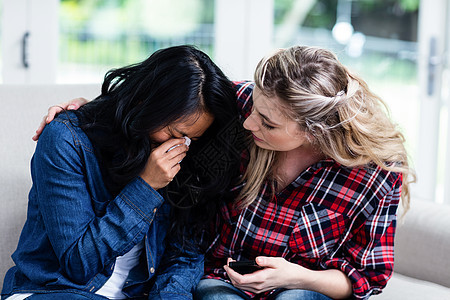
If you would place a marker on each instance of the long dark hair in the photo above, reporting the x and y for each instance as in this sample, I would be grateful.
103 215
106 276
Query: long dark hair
142 98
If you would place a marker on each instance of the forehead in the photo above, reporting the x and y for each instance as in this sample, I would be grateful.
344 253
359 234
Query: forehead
194 125
269 106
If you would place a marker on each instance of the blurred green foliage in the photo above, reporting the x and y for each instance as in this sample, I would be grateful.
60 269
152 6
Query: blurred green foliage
406 5
119 32
323 13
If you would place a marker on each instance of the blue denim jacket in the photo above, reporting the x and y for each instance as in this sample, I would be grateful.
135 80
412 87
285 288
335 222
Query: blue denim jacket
75 229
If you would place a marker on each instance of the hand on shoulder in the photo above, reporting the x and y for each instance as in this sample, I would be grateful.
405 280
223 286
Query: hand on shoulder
73 104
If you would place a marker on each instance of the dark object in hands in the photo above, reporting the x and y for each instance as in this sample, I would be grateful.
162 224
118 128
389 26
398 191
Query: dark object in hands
244 267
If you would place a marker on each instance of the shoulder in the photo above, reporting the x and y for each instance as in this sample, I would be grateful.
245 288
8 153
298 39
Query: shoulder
63 132
244 89
372 177
244 101
352 189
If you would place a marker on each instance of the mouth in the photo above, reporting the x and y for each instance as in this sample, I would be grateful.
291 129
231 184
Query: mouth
256 138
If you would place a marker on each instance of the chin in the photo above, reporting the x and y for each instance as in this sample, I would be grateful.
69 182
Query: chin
262 145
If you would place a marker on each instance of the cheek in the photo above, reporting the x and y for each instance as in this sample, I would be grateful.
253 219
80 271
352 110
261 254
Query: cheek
283 141
280 139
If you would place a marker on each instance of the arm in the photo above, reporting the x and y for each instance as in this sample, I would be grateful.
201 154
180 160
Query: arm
85 241
369 266
179 273
362 266
368 256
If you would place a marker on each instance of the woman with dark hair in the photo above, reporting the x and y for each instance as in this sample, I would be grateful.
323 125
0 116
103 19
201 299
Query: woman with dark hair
104 217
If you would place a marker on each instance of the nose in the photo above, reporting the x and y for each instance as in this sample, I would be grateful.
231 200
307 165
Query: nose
251 124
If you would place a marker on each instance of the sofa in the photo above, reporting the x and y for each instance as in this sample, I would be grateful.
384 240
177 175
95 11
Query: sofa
422 242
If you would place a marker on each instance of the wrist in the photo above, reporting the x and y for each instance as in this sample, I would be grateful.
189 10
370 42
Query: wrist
305 279
150 182
312 280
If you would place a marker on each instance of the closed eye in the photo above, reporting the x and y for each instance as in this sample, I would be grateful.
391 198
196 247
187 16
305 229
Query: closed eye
264 124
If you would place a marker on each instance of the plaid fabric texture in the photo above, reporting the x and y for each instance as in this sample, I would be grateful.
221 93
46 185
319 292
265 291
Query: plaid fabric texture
330 217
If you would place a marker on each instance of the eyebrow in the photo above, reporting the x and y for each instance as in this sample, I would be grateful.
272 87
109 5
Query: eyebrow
266 118
185 134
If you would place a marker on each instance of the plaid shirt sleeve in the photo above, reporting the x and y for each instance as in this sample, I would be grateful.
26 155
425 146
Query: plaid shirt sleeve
368 255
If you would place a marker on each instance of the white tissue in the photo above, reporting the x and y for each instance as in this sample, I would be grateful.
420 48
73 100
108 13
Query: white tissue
187 142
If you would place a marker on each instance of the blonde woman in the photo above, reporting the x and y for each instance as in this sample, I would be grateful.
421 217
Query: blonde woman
318 198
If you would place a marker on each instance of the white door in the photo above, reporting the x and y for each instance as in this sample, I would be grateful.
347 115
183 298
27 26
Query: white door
29 32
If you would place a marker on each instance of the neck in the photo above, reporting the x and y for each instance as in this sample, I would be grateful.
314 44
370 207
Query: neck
291 163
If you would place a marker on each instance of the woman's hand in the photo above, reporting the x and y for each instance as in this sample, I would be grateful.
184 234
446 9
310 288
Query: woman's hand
163 164
73 104
279 273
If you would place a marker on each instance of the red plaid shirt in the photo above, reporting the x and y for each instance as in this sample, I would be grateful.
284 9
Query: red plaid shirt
330 217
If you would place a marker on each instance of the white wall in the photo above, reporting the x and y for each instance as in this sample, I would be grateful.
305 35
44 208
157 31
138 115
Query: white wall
243 35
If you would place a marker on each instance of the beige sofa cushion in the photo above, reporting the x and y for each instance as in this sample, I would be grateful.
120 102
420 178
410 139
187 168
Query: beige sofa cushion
403 287
422 243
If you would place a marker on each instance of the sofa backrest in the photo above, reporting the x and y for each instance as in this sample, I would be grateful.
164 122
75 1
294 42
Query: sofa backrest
422 242
22 107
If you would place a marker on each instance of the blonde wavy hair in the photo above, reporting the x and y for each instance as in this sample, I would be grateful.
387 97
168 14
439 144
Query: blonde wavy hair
344 119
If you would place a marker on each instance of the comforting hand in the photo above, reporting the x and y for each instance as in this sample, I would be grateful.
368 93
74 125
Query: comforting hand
162 164
277 273
73 104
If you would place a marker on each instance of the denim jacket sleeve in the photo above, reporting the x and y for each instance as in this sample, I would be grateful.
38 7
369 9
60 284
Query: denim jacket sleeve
179 273
84 240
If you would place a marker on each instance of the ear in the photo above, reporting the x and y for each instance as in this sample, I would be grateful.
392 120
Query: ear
306 135
310 137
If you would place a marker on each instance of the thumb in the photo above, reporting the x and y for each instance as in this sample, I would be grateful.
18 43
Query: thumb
267 262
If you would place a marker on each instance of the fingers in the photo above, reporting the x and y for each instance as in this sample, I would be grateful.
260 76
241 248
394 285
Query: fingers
227 268
77 103
233 275
164 163
249 282
174 150
175 143
174 171
52 111
40 129
264 261
73 104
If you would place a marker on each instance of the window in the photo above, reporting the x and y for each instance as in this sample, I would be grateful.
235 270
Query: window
379 41
382 53
376 39
96 36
